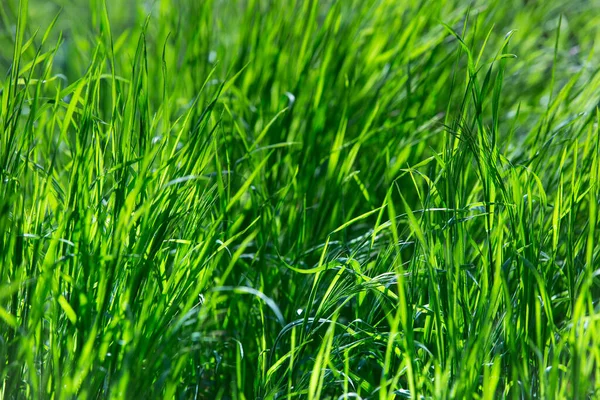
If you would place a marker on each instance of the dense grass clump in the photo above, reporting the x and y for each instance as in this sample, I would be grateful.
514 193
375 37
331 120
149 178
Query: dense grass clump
282 199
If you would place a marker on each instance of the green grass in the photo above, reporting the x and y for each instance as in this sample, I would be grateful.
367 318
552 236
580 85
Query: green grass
299 199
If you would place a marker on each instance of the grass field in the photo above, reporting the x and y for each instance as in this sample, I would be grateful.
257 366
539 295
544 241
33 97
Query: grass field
299 199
